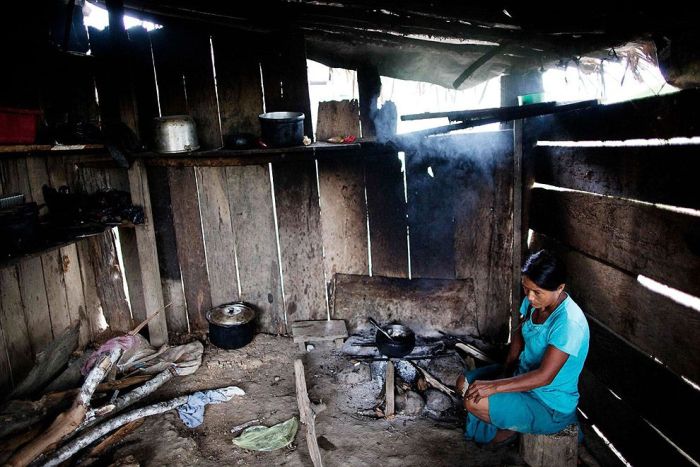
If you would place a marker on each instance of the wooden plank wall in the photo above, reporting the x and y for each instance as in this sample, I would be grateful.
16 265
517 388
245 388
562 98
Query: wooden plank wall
609 231
275 234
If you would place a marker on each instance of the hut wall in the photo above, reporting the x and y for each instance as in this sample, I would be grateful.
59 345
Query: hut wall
616 213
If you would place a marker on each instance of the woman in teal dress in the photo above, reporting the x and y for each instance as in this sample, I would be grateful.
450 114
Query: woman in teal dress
536 391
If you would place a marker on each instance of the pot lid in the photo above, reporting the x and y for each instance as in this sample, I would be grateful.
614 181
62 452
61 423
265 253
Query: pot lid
231 314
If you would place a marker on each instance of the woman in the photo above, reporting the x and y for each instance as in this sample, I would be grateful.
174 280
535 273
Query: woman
545 357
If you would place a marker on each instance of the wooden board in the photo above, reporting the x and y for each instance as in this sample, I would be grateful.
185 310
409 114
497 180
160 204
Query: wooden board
132 273
639 443
386 209
12 322
301 244
238 82
644 318
218 234
652 117
338 119
325 330
252 215
58 176
143 78
190 245
628 374
195 56
284 76
449 304
6 382
109 281
93 306
35 303
146 256
169 74
431 213
166 246
343 216
483 240
640 239
663 174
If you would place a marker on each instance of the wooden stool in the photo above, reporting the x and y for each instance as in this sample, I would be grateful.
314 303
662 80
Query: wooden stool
557 450
319 331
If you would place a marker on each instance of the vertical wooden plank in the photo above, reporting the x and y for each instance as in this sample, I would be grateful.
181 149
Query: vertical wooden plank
430 187
298 217
190 245
369 85
238 82
36 305
386 208
51 262
142 74
218 234
109 282
389 390
13 324
250 201
6 381
169 74
199 85
484 225
70 265
148 272
166 246
285 80
132 273
338 118
343 216
93 307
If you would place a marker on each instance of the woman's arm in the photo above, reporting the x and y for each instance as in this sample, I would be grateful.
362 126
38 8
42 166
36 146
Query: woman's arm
552 362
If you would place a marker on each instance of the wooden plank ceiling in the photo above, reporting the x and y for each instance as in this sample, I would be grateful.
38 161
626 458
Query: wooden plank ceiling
402 37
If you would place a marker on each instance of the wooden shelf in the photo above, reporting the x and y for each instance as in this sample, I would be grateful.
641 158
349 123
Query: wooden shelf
227 157
49 149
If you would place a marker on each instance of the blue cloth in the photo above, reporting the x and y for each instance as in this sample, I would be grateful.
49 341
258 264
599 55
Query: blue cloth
518 411
548 409
192 412
567 330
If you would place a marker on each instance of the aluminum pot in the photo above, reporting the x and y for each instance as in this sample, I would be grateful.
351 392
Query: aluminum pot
174 134
231 325
282 129
402 341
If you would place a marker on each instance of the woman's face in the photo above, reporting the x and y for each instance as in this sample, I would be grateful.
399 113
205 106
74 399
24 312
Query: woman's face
539 297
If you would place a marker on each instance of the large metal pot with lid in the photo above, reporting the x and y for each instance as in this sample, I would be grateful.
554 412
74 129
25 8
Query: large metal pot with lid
231 325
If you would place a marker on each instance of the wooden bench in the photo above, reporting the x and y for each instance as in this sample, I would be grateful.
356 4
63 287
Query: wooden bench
557 450
319 331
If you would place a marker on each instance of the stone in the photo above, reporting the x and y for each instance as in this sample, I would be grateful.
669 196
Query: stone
437 402
446 369
355 374
410 403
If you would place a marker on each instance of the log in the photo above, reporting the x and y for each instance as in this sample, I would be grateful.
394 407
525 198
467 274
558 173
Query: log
307 413
70 420
557 450
112 439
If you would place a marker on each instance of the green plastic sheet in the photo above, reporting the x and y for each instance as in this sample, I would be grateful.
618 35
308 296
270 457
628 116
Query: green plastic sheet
262 438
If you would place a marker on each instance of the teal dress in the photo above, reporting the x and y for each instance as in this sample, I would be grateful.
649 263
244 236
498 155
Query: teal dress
547 409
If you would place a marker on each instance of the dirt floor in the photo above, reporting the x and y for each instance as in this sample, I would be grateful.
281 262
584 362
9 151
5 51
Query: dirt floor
264 369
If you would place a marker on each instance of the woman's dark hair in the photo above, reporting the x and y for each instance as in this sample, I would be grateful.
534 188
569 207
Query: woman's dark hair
545 269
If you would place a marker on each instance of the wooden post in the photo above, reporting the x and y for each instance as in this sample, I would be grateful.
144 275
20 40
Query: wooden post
389 390
557 450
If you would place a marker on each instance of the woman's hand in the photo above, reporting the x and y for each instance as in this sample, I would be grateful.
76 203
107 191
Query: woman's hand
481 389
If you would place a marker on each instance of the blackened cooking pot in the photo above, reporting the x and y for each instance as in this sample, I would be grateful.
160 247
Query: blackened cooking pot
231 325
401 343
282 129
